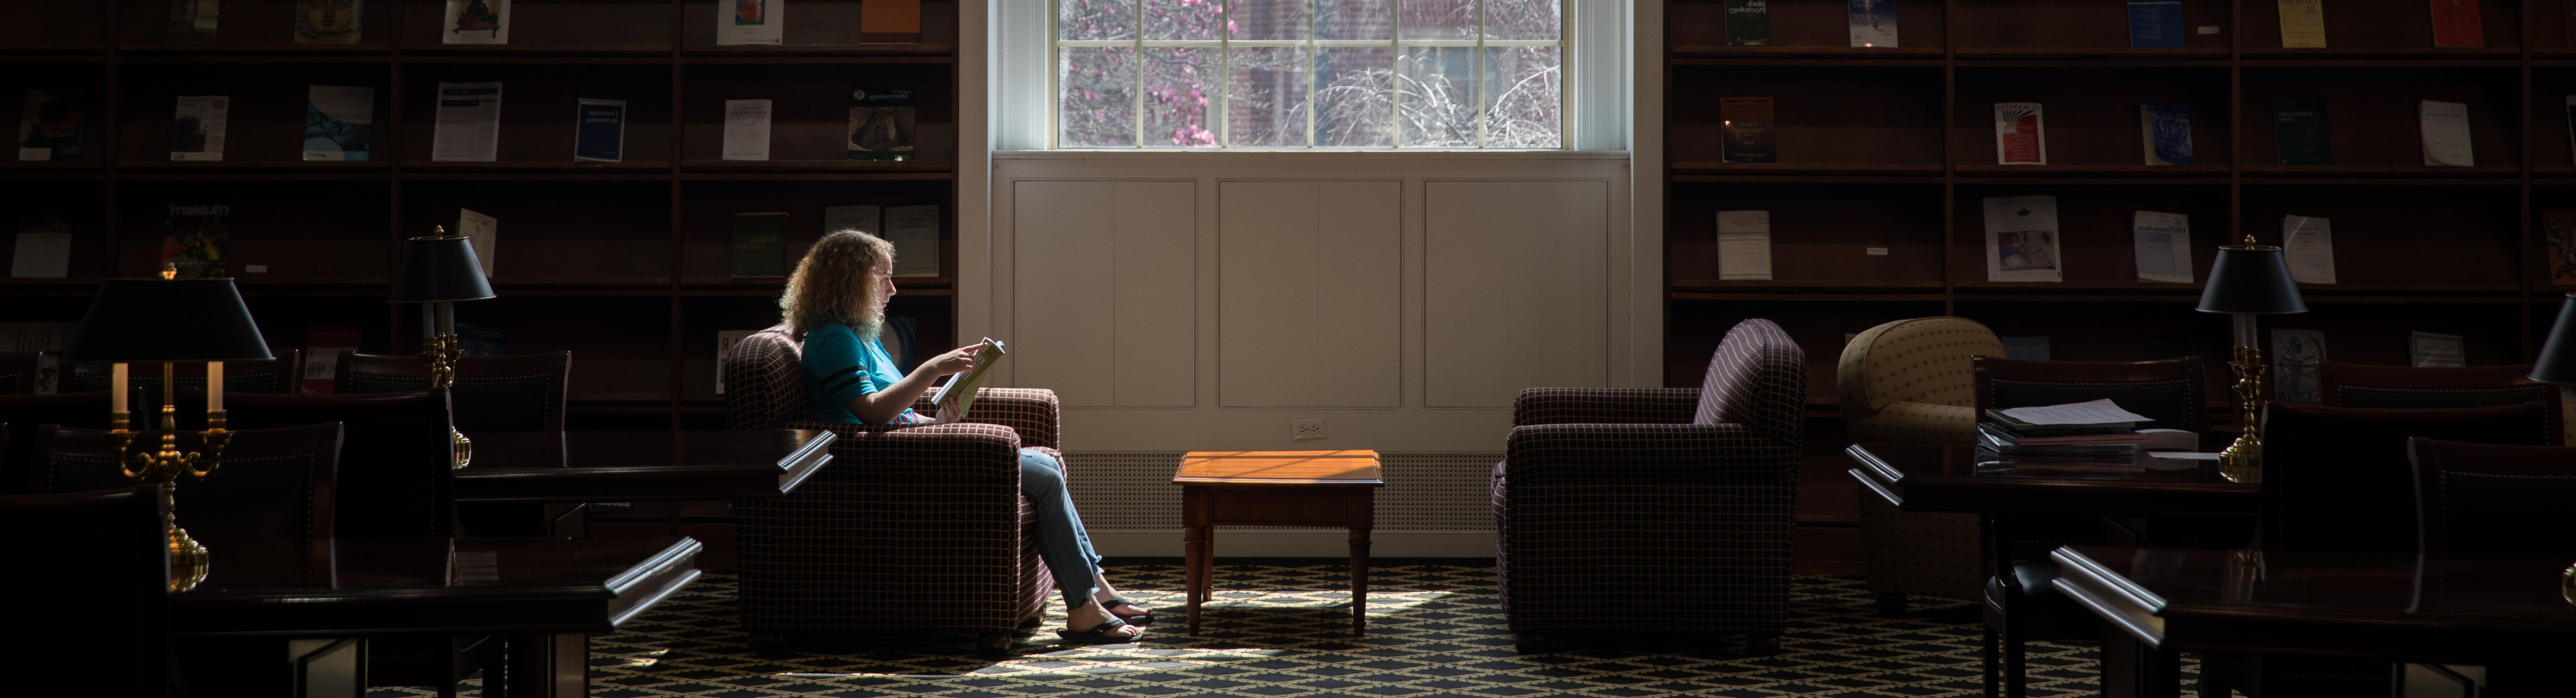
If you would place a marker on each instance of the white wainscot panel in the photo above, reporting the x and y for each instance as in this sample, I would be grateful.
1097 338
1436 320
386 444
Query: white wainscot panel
1105 291
1515 289
1309 278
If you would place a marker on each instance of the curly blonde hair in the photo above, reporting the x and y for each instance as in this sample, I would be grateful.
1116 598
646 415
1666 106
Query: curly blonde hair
836 283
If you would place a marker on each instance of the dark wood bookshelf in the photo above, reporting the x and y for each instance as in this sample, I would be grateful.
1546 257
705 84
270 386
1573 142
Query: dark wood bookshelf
621 264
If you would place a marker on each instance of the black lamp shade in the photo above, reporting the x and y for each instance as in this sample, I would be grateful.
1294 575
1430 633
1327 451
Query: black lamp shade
2557 362
2251 280
440 269
158 320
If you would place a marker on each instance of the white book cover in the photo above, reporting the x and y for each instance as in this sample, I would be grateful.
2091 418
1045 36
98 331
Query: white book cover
2307 244
197 129
2431 350
1873 23
860 218
746 129
2164 246
914 230
335 119
476 22
1744 245
2022 239
481 231
469 122
725 339
751 22
2446 133
44 252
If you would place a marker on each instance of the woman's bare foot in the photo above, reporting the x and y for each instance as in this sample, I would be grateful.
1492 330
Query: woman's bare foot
1102 592
1090 616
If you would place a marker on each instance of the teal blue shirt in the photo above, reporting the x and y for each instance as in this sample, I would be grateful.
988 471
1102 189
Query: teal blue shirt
839 367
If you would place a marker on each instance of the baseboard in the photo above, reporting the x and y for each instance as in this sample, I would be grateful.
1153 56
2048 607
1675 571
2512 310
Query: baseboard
1267 542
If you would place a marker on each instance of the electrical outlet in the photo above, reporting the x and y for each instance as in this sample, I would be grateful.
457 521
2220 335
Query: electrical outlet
1306 429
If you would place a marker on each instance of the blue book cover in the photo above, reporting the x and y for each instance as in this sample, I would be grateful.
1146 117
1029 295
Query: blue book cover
2155 23
337 121
601 135
2166 128
478 339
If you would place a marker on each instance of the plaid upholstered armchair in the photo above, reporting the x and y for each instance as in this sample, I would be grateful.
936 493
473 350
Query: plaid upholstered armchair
916 528
1656 509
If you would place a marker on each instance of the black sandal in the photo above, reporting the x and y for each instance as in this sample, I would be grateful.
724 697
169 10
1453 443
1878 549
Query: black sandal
1146 618
1099 634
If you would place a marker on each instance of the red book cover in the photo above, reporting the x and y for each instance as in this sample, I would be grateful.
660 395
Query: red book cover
2017 134
324 345
2455 24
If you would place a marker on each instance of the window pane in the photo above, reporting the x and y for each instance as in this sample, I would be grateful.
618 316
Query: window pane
1265 97
1183 20
1098 107
1436 19
1436 97
1269 20
1353 19
1091 20
1525 94
1525 19
1351 97
1180 86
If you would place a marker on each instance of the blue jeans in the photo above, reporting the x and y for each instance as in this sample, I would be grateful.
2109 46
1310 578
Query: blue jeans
1061 541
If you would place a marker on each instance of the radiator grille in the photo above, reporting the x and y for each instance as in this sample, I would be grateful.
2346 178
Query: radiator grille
1133 491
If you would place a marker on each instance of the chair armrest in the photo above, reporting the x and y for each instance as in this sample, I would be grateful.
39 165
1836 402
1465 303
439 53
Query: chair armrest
1605 406
1600 451
1916 423
1030 411
961 454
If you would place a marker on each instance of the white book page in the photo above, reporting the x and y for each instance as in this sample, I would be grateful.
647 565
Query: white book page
2102 411
2022 240
208 114
1744 245
2446 133
476 28
2307 244
746 129
749 22
481 231
469 122
2164 246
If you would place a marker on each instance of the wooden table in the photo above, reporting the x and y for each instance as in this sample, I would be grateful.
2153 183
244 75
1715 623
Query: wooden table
2454 609
517 474
1949 478
1277 488
548 594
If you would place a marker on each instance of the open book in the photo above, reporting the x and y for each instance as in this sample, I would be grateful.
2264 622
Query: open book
953 398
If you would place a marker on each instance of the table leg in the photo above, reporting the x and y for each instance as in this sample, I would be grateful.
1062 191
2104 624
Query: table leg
1359 581
1194 565
549 666
2131 669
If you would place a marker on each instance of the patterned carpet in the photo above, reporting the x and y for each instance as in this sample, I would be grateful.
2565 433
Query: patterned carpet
1282 632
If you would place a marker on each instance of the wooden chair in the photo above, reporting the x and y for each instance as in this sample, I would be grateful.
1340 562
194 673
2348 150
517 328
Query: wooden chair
523 392
2363 385
24 414
2485 499
278 375
20 371
273 484
100 554
1910 381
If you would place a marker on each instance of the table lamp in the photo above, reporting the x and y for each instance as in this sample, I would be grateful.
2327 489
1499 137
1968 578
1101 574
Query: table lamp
2248 280
169 321
438 271
2557 365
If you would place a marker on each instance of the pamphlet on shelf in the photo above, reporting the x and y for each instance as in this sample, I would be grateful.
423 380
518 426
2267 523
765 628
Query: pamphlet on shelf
2446 133
2022 239
760 244
751 22
2307 244
1746 122
2164 130
2295 355
1748 22
2018 137
2155 24
725 339
914 230
338 122
2163 242
600 131
890 22
197 128
881 121
955 397
1744 245
746 129
2025 348
2558 236
325 344
2303 23
1873 23
328 21
49 337
193 21
2430 350
2299 132
49 126
194 240
864 219
476 22
2455 24
483 233
469 122
44 250
482 339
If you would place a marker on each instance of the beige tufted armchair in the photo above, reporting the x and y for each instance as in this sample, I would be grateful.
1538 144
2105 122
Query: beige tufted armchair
1910 381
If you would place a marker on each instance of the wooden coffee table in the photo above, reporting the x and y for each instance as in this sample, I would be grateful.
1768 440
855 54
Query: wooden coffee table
1276 488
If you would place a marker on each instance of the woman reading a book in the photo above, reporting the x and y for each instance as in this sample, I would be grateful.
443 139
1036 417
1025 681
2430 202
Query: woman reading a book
835 304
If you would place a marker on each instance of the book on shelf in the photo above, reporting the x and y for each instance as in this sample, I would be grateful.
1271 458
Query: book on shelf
880 123
2303 23
2558 235
2018 137
2025 348
2022 239
49 337
197 128
725 339
194 239
750 23
338 122
49 126
44 249
2307 245
955 397
1744 245
468 127
2446 133
2299 132
481 232
2295 355
1873 23
328 21
746 129
476 22
914 230
760 244
2164 133
2455 24
2433 350
890 22
482 339
1748 22
1747 125
2155 24
864 219
193 21
599 134
325 344
2163 242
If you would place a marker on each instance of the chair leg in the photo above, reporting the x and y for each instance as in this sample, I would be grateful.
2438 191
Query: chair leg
1529 643
1891 604
2211 685
1992 683
993 643
1763 644
2016 683
446 690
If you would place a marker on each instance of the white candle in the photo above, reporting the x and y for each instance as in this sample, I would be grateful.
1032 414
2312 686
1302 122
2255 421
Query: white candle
214 386
116 387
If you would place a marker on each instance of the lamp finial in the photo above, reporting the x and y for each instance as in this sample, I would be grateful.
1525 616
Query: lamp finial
169 271
2249 239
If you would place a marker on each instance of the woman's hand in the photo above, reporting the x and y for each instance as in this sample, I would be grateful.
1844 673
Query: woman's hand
959 360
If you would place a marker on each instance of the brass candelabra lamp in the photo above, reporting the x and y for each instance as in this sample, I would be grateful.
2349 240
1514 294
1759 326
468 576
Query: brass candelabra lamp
2557 365
438 271
2248 280
169 321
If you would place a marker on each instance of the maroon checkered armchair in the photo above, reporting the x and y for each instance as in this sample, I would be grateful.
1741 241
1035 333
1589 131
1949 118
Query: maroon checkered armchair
911 529
1661 510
